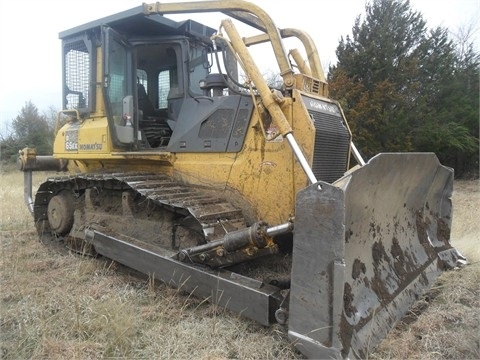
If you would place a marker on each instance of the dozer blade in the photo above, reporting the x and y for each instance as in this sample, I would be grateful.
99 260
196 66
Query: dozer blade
365 248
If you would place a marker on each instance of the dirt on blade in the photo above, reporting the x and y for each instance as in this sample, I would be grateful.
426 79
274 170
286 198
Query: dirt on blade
445 323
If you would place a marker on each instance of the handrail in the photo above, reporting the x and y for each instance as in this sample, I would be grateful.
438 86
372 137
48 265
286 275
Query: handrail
252 15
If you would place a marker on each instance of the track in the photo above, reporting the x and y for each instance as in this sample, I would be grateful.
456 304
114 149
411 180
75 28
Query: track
148 207
142 221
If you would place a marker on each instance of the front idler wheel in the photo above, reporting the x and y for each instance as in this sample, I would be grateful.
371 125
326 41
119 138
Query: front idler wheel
60 213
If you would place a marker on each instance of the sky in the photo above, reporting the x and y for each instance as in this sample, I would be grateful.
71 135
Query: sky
30 60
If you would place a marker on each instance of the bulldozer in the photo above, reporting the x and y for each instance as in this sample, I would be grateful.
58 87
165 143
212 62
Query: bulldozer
175 156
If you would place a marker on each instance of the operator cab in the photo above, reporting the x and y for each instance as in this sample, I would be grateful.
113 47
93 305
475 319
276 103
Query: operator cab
155 85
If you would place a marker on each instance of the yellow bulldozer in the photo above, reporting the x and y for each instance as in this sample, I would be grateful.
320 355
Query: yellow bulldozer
176 157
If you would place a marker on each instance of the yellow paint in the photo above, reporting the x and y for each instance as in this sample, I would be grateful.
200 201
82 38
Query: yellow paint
263 176
262 179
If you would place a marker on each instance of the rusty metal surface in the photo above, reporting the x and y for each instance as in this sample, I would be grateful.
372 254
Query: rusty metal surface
398 222
205 207
214 215
388 240
251 298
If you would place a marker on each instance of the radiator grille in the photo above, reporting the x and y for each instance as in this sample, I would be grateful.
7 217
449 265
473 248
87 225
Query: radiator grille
332 143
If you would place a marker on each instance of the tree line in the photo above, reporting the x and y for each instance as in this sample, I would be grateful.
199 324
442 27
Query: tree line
402 86
30 128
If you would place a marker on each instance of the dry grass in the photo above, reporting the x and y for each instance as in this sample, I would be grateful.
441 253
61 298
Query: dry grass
57 306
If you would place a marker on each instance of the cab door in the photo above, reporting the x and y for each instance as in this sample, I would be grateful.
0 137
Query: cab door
118 88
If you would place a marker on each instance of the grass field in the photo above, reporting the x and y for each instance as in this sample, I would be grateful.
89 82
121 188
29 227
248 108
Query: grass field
62 306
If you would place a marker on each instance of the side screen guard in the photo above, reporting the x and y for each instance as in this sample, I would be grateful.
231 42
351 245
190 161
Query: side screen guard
79 73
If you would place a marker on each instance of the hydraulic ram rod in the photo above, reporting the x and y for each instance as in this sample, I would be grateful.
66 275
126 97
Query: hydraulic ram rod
238 239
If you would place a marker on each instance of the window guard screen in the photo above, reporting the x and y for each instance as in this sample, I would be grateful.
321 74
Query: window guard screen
77 74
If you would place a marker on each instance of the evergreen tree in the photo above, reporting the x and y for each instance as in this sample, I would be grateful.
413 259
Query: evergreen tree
447 125
30 129
466 94
401 85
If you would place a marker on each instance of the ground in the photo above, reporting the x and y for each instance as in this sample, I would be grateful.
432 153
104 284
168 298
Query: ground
57 306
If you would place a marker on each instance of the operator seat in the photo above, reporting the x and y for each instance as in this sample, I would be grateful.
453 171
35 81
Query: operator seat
155 129
144 102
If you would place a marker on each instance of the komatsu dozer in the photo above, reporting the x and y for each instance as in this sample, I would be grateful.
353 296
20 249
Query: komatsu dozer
180 160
